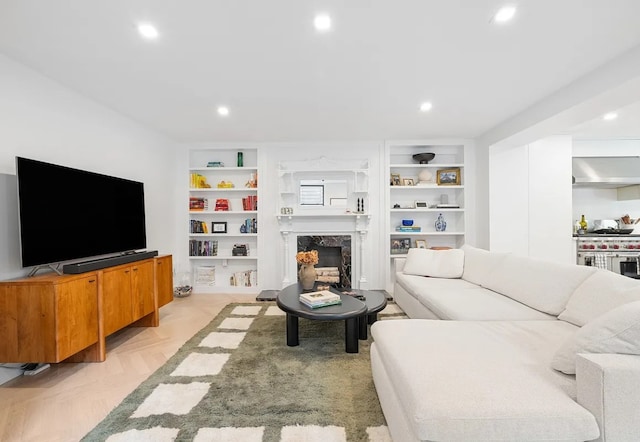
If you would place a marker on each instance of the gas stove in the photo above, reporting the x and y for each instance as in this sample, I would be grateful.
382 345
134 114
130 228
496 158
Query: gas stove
609 242
618 253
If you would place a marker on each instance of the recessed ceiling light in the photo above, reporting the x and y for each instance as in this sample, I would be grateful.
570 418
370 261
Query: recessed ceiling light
148 31
223 111
504 14
322 22
426 106
610 116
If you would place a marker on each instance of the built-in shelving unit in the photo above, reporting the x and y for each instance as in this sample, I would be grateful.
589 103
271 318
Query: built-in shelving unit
414 193
228 217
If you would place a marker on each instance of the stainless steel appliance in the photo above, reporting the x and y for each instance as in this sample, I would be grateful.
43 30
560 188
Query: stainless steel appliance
617 253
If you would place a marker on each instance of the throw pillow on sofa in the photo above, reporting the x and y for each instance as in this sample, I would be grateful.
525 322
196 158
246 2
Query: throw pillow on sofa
617 331
599 293
435 263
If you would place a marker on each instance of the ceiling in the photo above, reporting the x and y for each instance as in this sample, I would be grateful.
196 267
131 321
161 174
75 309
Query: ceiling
284 81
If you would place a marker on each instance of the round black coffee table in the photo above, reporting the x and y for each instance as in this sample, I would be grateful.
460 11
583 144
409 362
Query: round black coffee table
349 311
375 302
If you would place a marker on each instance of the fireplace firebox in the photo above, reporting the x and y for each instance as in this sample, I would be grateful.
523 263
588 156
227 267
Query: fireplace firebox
333 251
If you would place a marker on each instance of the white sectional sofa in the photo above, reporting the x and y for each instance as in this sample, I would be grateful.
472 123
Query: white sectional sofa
506 348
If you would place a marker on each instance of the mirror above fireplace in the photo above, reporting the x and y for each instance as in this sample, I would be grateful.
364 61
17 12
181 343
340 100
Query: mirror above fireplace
323 187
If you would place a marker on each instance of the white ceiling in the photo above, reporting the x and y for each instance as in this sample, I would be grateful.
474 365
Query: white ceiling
284 82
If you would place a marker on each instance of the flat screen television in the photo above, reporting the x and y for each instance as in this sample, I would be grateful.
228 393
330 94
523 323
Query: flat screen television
68 214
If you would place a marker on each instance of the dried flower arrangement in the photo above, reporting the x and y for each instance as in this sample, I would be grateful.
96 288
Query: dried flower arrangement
310 257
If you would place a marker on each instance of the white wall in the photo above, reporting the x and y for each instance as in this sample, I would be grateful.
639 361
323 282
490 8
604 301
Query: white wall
43 120
509 201
530 203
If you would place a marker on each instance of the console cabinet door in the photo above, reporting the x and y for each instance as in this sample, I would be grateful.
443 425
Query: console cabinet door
164 280
47 319
142 289
117 303
76 312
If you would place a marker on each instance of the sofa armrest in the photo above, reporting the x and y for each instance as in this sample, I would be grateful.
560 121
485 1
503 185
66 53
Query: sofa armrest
399 264
607 386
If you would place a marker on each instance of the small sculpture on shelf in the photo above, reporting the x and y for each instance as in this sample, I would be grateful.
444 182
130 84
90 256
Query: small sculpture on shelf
425 177
225 185
253 181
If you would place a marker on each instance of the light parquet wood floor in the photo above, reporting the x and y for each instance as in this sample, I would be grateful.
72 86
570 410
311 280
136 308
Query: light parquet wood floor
66 401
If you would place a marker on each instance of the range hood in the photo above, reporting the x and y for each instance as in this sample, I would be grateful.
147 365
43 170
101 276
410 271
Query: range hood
606 172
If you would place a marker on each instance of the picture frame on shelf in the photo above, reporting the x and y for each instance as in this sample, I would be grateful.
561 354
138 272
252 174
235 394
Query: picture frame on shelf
421 244
395 179
407 182
400 246
448 177
218 227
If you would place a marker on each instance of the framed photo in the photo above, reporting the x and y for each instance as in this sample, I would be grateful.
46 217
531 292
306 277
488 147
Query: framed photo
407 181
219 227
421 244
448 177
421 205
400 246
395 179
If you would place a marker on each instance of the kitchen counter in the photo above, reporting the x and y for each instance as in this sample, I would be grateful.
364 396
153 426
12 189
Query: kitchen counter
607 235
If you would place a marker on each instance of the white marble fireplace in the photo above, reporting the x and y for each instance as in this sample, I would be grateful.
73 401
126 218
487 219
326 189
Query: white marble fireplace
338 210
344 231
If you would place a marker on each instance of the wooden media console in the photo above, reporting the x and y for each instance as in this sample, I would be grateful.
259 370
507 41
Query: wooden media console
54 318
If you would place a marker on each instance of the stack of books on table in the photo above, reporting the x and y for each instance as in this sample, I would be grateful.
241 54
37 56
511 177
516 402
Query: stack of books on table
323 298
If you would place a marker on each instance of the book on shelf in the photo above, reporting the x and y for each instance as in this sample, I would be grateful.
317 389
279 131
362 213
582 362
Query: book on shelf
198 226
206 275
408 229
198 181
247 278
250 226
199 247
240 250
196 203
250 202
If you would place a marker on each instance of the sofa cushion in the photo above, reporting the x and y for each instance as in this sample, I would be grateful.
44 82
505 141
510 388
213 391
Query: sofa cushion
479 263
487 379
599 293
545 286
461 300
436 263
617 331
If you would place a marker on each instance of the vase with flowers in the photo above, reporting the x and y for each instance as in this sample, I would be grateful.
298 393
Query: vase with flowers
307 272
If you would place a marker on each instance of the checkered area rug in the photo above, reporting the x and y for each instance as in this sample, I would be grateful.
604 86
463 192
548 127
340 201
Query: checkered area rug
236 380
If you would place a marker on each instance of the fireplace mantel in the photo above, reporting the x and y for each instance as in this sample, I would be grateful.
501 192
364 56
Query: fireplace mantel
308 223
354 224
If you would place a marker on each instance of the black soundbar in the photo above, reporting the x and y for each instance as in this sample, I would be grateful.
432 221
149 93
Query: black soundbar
97 264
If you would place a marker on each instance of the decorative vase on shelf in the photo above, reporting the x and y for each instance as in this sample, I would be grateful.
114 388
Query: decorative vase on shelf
441 224
307 276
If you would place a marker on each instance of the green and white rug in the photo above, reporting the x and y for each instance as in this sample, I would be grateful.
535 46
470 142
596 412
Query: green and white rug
236 380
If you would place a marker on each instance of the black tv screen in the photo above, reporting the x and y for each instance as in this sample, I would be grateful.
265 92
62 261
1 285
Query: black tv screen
68 214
